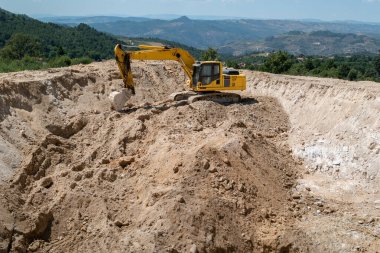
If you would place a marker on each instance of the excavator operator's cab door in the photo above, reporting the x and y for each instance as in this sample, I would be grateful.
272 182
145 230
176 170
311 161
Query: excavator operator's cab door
206 76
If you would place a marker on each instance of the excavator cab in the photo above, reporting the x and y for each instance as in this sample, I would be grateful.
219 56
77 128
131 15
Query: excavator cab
211 76
206 74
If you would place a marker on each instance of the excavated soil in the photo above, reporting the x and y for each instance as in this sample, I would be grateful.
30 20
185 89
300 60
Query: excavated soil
165 176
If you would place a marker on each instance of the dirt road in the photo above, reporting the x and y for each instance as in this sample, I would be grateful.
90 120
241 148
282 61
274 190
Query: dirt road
293 168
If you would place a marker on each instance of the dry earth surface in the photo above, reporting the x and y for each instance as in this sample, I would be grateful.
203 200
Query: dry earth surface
293 168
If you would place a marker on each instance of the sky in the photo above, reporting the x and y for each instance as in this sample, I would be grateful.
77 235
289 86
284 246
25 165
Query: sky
328 10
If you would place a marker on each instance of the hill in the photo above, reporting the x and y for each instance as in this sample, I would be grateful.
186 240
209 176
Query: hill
49 40
322 43
217 33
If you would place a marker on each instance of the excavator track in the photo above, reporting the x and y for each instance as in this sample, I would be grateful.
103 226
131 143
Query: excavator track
218 97
183 95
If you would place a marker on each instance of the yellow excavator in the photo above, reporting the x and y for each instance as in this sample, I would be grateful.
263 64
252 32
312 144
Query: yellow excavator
206 79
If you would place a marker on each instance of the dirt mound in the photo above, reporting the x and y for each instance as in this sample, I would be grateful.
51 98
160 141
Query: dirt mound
159 176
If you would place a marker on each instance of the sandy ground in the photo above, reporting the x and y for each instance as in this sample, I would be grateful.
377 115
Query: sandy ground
293 168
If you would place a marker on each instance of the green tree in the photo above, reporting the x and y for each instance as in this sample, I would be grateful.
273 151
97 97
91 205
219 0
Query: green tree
20 45
232 64
278 62
343 71
309 64
353 75
210 55
377 63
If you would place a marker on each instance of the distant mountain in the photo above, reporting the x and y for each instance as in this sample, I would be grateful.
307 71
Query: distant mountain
159 42
68 20
217 33
51 40
323 43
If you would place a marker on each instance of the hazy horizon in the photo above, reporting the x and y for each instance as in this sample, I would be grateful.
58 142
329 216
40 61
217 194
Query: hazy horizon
324 10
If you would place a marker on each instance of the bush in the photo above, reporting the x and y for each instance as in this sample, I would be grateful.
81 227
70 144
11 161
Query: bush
62 61
210 55
83 60
278 62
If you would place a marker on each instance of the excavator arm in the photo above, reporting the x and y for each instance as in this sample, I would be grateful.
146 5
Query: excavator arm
124 58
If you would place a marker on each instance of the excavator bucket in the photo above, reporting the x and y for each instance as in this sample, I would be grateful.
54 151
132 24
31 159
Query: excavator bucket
119 98
124 64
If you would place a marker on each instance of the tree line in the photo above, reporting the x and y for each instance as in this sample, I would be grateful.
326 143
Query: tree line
353 68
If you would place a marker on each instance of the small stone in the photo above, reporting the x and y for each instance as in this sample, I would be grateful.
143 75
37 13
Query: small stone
308 189
296 196
180 199
241 188
78 167
176 169
193 249
22 132
105 161
226 161
78 177
126 160
89 174
73 185
119 223
34 246
205 164
213 169
372 146
319 203
47 182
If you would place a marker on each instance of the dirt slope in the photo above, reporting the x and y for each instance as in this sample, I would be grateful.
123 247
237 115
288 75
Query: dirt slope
336 131
170 177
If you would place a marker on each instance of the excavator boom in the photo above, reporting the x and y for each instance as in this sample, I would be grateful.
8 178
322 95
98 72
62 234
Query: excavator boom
123 59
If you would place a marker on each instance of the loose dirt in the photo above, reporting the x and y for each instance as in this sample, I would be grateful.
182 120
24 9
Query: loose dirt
164 176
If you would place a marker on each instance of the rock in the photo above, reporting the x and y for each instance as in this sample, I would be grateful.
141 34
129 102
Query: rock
126 160
296 196
119 224
89 174
226 161
213 169
193 249
47 182
118 99
19 244
176 169
108 175
180 199
105 161
78 166
34 246
73 185
78 177
241 188
205 164
319 203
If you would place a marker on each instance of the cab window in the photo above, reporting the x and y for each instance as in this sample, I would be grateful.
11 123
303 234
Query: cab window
210 72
